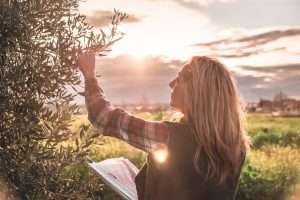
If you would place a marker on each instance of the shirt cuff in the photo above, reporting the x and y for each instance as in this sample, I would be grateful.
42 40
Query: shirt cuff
90 80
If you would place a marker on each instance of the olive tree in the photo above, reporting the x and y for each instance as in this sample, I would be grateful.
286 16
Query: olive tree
39 43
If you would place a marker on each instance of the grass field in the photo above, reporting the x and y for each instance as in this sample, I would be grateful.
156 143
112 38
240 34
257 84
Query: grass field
275 155
257 122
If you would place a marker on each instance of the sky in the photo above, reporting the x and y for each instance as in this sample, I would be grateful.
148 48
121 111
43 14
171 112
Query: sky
258 40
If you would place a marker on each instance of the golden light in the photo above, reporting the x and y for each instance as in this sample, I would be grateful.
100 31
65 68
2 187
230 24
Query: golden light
157 31
140 41
160 154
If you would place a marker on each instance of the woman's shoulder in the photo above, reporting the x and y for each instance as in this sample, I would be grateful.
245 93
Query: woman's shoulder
179 132
177 126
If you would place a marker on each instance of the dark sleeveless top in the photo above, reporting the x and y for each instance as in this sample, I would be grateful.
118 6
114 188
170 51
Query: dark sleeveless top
176 178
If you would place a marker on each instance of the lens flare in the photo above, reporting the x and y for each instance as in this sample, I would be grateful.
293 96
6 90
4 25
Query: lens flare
160 154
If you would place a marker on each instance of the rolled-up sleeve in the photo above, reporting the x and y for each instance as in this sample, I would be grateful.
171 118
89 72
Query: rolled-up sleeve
117 123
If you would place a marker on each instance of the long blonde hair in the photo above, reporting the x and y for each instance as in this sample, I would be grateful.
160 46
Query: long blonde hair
214 111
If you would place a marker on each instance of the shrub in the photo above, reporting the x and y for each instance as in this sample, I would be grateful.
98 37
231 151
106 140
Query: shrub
291 139
269 174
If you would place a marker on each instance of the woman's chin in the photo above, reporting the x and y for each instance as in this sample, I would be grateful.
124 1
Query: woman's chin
174 107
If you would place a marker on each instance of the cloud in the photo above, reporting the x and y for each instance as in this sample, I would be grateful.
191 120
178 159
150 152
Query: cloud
128 79
265 81
125 79
195 5
126 65
248 14
279 69
256 39
245 53
243 46
103 18
255 13
199 4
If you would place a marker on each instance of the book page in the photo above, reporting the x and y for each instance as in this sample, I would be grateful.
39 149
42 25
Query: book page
119 174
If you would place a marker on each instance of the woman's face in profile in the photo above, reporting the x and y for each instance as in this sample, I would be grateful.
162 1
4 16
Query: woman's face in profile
177 94
176 100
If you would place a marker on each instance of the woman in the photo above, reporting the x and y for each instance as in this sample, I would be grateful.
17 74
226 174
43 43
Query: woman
206 149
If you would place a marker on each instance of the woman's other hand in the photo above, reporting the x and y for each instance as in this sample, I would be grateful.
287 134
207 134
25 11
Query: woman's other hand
87 64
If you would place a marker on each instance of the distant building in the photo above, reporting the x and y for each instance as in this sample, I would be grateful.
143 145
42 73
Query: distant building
251 107
281 105
264 106
290 107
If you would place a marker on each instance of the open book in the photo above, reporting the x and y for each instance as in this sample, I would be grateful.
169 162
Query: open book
119 174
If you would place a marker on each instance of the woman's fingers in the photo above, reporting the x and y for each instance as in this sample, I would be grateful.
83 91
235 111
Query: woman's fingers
87 63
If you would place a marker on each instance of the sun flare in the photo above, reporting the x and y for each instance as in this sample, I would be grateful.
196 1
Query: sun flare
160 154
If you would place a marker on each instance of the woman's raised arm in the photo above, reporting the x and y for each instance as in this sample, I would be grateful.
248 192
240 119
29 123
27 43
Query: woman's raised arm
115 122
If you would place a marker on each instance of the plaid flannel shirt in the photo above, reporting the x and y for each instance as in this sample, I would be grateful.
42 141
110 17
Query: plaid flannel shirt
115 122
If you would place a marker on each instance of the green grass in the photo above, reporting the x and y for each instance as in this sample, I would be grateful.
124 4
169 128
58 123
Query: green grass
265 122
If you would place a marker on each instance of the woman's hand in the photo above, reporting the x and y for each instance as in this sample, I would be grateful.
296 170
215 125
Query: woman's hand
87 64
